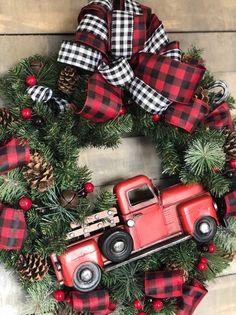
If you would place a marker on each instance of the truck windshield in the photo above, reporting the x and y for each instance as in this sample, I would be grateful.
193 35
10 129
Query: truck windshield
140 194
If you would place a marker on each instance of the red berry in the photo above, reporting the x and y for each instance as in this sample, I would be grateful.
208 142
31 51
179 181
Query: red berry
25 203
122 111
211 248
201 266
232 163
203 260
88 187
142 313
157 305
26 113
31 80
112 307
156 117
138 304
68 299
59 295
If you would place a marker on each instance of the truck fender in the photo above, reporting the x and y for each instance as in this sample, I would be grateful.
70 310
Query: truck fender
194 209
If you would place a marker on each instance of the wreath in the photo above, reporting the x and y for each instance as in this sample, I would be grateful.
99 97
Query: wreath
120 75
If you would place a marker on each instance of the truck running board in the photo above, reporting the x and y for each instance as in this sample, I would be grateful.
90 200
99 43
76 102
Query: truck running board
147 251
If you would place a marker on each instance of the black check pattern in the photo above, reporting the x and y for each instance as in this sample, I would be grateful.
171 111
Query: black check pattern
173 53
105 3
118 73
230 201
79 55
95 25
157 40
39 93
146 97
220 96
121 34
94 302
133 7
62 104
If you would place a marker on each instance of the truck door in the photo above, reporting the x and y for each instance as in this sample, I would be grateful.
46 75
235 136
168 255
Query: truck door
147 214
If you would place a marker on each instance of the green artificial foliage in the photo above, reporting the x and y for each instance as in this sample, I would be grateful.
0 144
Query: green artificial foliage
190 158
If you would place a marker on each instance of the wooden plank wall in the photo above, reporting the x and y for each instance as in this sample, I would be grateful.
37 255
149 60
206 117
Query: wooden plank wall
28 27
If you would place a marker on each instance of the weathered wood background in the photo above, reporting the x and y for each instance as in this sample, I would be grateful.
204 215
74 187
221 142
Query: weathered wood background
28 27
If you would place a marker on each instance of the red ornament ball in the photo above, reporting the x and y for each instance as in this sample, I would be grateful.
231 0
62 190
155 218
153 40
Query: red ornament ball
88 187
25 203
138 304
31 80
201 266
157 305
156 117
26 113
122 111
232 163
59 295
203 260
211 248
112 307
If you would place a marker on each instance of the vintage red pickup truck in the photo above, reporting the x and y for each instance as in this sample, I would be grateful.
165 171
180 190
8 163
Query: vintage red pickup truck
146 221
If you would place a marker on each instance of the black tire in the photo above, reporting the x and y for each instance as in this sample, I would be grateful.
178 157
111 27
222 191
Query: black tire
116 246
210 226
93 274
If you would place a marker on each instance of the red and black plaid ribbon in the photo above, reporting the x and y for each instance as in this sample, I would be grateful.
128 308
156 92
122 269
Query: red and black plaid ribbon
230 201
12 228
149 66
96 302
14 154
168 284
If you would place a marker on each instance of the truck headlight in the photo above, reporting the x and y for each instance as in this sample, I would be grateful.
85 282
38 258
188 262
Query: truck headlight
130 223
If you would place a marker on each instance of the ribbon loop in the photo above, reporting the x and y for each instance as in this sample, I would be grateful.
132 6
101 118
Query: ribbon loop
222 94
118 73
40 93
157 40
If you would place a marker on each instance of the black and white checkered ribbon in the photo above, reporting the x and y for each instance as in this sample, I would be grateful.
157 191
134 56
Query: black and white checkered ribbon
44 94
221 95
105 3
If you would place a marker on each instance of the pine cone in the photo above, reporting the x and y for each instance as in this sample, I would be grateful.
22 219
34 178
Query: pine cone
202 94
31 267
67 80
39 174
229 256
182 271
5 116
230 145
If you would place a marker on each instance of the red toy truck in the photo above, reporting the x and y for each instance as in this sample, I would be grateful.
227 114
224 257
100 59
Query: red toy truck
147 221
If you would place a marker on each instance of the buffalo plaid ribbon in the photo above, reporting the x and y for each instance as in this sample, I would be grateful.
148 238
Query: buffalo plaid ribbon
13 154
230 201
96 302
168 284
127 48
12 228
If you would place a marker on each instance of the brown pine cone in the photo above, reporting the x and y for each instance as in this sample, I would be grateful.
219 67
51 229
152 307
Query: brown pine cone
182 271
67 80
202 94
31 267
5 116
230 145
229 256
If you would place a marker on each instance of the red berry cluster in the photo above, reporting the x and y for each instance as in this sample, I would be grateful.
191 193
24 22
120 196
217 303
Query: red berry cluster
156 304
207 248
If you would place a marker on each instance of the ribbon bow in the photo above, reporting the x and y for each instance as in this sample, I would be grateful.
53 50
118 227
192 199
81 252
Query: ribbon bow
169 284
127 48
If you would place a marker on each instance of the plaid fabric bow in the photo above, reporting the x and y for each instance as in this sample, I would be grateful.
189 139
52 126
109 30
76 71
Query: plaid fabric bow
126 47
230 201
14 154
168 284
44 94
96 302
12 228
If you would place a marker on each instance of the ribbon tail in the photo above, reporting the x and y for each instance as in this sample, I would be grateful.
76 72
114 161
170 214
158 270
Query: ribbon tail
220 118
103 102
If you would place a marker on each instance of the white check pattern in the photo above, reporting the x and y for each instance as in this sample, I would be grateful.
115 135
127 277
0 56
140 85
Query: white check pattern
79 55
118 73
173 53
106 3
121 34
93 24
146 97
39 93
133 7
221 95
157 40
62 104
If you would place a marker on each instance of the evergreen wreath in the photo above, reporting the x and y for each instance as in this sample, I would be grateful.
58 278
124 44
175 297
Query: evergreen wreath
50 185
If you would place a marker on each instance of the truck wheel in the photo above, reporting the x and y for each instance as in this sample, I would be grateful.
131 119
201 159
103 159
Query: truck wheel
87 277
205 229
116 246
